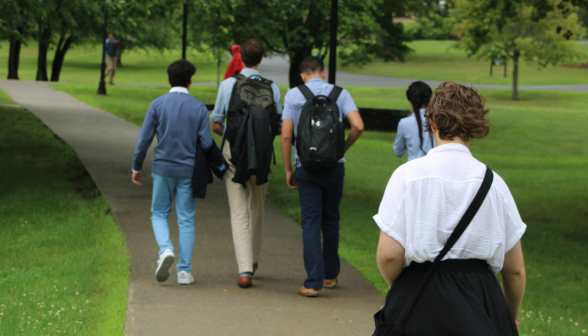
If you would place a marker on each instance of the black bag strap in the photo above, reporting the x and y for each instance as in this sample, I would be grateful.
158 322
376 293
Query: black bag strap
306 92
457 232
334 95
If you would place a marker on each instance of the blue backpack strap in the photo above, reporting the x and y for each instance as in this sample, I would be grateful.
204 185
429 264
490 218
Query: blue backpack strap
306 92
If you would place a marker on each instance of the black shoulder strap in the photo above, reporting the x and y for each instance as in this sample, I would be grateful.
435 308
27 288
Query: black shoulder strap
457 232
306 92
334 95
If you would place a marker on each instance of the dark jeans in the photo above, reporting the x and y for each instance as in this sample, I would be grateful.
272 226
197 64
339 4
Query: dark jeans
320 195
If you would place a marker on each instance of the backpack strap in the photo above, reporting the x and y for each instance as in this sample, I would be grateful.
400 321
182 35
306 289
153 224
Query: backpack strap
457 232
306 92
334 95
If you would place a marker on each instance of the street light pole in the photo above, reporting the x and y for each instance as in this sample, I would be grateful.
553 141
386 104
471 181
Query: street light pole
102 85
185 37
333 43
40 76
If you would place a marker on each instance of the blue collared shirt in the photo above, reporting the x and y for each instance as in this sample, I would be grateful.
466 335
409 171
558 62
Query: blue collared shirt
407 137
179 120
294 101
225 91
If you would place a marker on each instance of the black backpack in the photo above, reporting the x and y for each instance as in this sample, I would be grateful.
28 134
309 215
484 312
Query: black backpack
252 124
320 138
252 91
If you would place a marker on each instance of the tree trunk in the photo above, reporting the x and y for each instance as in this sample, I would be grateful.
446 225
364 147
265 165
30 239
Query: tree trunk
60 52
295 61
515 75
13 57
42 61
218 64
118 59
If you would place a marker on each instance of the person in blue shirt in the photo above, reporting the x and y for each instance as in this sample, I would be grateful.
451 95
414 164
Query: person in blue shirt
320 193
181 123
411 135
112 49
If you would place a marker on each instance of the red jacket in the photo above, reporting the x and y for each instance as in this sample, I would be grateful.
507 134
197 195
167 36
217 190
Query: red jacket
236 65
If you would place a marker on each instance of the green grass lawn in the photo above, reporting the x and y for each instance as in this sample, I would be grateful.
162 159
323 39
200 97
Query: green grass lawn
435 60
82 65
64 266
5 98
538 145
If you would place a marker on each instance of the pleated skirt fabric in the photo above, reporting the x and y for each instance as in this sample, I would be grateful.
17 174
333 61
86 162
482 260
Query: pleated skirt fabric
462 297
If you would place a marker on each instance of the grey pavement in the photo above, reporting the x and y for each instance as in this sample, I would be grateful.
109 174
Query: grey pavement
276 69
213 305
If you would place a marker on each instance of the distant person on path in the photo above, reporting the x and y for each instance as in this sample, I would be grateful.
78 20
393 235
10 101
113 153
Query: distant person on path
422 205
411 133
238 98
318 108
236 64
180 122
112 49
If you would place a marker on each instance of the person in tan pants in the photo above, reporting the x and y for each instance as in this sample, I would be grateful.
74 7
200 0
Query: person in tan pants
246 201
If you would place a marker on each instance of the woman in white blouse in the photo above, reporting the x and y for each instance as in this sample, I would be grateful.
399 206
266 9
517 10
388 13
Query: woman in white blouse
423 202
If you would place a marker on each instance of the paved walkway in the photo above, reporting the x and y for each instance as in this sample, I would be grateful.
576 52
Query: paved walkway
276 69
105 144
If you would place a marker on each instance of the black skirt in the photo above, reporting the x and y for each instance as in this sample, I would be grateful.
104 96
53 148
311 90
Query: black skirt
462 297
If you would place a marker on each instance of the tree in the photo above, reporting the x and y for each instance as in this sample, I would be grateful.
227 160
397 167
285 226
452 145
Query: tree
15 15
300 28
536 31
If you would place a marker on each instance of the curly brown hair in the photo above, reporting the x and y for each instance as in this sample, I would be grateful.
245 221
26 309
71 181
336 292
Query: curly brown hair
457 110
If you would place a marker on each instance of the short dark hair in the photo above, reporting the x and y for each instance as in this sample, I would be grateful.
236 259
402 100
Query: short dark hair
180 72
113 33
312 64
458 110
252 51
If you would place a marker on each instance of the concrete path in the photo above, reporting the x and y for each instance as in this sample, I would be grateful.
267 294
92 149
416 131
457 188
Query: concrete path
276 69
214 305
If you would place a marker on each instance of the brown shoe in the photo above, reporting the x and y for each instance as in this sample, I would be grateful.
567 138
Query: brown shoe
244 281
308 292
330 283
254 268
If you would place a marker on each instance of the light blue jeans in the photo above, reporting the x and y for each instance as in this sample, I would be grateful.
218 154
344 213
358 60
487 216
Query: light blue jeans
163 190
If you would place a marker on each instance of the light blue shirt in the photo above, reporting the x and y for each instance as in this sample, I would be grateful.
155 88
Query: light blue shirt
294 101
225 91
407 137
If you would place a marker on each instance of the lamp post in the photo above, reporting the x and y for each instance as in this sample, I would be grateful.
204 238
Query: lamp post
40 76
185 37
102 85
333 43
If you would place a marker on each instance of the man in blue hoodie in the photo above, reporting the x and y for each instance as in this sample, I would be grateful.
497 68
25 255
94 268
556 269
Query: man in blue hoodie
181 123
112 47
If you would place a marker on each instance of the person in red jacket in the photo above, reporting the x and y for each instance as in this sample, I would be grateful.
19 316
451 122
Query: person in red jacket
236 65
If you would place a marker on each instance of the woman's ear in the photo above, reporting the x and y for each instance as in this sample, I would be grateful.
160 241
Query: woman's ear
433 126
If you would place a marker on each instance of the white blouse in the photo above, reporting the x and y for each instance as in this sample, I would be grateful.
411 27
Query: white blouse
426 197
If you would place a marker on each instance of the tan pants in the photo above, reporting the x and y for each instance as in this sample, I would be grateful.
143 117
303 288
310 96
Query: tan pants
111 67
247 216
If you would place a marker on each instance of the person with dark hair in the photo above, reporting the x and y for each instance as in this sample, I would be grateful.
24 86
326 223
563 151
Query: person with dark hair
112 49
181 123
236 64
238 96
447 224
320 189
411 133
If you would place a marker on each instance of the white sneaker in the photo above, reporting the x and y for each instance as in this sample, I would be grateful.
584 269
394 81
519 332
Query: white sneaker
166 259
185 278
